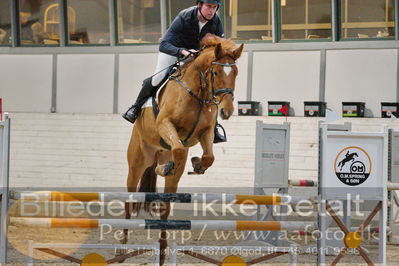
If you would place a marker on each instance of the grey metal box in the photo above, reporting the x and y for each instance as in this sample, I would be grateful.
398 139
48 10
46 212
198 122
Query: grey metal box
271 155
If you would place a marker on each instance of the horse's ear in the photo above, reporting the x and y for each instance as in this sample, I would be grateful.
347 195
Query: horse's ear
237 52
218 51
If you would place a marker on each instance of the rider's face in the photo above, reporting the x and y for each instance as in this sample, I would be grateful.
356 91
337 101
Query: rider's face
208 10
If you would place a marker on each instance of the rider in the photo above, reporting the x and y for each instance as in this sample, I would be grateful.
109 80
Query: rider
181 39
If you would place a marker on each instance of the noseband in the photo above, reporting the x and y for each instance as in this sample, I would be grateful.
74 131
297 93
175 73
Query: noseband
204 82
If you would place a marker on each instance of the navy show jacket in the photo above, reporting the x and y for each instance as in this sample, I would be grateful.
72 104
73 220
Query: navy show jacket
184 32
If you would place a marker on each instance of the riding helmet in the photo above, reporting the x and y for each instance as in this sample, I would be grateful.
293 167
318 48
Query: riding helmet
216 2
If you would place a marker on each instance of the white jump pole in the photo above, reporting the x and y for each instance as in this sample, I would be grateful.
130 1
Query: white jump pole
4 183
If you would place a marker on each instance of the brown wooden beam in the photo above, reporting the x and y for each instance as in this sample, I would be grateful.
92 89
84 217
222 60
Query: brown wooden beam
126 256
339 256
60 255
370 217
202 257
266 257
340 224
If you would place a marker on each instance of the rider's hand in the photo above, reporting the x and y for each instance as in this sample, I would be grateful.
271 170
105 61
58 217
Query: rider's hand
188 52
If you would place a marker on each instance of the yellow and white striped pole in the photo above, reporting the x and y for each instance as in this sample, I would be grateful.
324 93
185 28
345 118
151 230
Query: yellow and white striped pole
220 198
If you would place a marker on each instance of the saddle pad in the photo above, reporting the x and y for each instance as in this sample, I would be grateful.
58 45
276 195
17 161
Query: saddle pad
148 103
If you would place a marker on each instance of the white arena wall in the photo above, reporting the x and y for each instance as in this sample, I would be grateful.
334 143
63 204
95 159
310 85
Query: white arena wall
26 82
97 81
362 76
287 76
89 150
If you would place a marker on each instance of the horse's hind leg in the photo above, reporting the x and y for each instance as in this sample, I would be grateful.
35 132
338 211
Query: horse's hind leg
139 160
168 132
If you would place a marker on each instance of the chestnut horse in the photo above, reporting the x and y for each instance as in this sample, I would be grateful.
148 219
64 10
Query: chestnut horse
188 106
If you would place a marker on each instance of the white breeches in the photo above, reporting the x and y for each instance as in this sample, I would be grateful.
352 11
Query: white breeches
164 60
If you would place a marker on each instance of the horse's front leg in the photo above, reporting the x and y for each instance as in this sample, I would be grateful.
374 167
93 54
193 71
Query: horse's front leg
169 134
171 183
201 164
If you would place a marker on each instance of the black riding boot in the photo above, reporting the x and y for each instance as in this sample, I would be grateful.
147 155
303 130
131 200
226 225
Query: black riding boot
219 136
146 92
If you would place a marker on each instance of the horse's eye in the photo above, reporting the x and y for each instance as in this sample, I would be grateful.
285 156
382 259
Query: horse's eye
215 73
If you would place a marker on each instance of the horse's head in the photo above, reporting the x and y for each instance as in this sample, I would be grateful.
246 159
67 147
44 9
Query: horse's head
224 72
221 71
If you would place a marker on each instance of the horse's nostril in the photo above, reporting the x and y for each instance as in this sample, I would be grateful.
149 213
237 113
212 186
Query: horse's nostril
224 114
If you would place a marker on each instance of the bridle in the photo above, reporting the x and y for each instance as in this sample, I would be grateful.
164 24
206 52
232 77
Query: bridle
223 91
204 87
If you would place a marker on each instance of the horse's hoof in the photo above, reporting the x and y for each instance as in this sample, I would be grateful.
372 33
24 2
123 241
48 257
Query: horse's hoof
196 163
165 169
195 160
199 172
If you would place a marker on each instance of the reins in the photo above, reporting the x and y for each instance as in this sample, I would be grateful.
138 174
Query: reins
179 60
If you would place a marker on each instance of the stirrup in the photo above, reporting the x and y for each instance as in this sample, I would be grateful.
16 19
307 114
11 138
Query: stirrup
219 137
131 114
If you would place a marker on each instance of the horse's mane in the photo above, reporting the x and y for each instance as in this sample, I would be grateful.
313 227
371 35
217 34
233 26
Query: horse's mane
211 40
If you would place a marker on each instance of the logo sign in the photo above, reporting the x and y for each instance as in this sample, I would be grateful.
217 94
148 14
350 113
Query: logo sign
352 165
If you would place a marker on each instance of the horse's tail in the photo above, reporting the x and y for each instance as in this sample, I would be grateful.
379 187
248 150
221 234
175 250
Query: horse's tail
148 183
